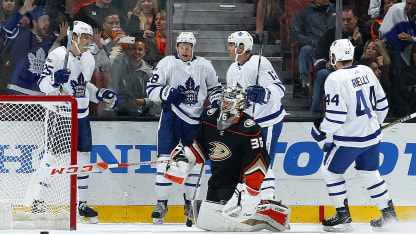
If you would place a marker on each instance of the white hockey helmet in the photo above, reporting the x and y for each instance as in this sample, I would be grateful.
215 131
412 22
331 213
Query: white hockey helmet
187 37
80 28
342 49
233 102
241 37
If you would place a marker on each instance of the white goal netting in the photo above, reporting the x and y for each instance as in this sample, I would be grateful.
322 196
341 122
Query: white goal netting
34 134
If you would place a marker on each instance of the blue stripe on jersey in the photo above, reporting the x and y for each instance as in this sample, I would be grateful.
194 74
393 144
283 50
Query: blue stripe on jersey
381 99
268 179
376 185
335 184
151 86
82 110
358 139
191 185
379 195
334 121
336 112
336 194
163 184
270 187
83 177
269 117
382 109
215 87
280 86
183 112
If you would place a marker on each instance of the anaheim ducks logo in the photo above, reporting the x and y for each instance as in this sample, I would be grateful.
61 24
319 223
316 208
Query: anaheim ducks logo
219 151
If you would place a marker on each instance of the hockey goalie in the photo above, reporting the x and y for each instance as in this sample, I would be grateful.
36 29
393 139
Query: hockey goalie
239 161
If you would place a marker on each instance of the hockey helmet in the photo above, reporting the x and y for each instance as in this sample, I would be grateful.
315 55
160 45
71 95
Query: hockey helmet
241 37
342 49
80 28
186 37
233 102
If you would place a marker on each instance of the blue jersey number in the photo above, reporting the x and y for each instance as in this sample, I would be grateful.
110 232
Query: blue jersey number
362 107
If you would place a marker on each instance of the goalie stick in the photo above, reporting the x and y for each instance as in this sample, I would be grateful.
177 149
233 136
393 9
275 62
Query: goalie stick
88 168
325 148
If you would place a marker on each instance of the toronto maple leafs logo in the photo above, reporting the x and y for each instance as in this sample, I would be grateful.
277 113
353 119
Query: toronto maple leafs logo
191 91
79 86
36 61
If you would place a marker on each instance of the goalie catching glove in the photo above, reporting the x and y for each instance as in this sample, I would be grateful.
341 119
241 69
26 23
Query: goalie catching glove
182 161
108 96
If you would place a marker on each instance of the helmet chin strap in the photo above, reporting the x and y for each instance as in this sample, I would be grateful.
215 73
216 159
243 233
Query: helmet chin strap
76 45
237 54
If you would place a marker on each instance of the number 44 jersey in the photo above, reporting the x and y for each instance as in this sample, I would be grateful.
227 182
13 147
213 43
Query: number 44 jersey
237 153
356 106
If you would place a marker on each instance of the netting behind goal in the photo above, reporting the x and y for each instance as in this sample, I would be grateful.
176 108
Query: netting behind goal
36 132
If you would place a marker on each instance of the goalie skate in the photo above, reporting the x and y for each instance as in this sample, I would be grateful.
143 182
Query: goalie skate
87 214
159 212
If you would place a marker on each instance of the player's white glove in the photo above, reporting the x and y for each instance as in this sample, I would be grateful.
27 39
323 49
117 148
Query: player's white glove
181 163
108 96
242 204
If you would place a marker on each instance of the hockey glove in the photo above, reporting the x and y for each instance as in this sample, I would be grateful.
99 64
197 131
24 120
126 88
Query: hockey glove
108 96
214 104
242 204
181 163
60 77
317 134
258 94
172 95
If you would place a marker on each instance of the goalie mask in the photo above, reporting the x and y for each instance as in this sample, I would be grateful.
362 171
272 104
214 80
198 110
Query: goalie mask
233 102
241 37
341 50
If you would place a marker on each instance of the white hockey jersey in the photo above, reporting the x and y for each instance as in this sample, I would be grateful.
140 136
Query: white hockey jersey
356 106
196 79
245 75
79 85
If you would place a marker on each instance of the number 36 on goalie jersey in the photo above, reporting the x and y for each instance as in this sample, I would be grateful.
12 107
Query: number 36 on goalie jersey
256 142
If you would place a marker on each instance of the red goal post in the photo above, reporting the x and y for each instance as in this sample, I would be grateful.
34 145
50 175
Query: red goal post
36 132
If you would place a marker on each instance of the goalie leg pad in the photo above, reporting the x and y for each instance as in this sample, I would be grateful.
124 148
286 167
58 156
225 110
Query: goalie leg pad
210 218
275 215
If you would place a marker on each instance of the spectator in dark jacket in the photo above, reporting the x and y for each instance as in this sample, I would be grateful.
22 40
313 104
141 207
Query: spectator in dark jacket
156 43
404 90
350 31
309 25
94 12
28 49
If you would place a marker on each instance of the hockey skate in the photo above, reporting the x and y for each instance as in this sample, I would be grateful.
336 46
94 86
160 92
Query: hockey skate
87 212
38 207
188 213
340 222
159 212
388 220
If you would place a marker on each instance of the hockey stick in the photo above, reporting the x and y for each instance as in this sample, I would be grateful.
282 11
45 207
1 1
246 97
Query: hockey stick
61 8
325 148
195 202
88 168
260 54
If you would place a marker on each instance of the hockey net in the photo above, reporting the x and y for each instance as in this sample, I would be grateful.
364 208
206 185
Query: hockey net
36 132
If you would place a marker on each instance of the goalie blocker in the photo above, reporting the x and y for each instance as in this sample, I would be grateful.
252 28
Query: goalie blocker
234 143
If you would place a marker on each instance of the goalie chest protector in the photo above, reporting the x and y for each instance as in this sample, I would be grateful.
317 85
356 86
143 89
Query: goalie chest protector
231 150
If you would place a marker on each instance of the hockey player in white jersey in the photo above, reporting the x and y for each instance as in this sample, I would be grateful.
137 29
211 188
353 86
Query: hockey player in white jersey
356 106
264 93
75 81
182 83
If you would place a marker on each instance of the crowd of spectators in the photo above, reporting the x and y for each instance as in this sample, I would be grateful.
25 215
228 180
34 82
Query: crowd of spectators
383 41
130 39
